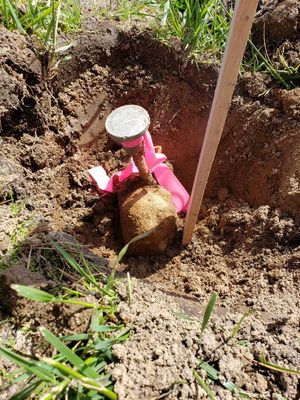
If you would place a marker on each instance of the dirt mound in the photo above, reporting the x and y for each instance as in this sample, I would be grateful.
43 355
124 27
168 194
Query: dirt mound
167 346
19 67
276 22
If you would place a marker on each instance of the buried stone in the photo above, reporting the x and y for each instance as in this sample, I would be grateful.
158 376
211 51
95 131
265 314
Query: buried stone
148 208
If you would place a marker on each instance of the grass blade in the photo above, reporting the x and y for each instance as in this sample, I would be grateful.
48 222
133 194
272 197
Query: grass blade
70 355
204 385
129 289
135 239
263 362
237 327
14 16
211 371
208 311
31 366
33 294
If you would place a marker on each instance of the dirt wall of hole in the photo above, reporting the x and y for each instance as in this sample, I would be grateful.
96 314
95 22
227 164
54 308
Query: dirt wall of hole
258 157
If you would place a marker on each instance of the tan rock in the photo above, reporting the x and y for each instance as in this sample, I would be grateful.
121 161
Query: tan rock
143 209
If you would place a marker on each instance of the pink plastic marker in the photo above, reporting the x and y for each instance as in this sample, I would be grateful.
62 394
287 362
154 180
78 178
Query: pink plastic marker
135 121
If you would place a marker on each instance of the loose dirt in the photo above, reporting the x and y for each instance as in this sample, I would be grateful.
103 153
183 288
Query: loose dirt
246 245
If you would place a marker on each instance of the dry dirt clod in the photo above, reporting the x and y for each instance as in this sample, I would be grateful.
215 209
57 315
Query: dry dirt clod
277 20
146 208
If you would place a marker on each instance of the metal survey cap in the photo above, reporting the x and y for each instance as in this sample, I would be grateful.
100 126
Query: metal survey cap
127 123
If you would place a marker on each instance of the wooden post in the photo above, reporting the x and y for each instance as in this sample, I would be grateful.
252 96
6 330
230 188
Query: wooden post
239 31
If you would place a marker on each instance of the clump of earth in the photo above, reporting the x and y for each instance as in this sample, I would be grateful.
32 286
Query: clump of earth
246 245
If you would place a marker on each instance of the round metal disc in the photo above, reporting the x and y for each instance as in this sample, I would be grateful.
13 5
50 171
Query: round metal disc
127 123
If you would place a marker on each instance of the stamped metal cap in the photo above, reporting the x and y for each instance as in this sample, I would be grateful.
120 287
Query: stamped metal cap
127 123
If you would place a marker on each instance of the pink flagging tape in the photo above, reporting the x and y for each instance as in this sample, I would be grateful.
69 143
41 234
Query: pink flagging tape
155 162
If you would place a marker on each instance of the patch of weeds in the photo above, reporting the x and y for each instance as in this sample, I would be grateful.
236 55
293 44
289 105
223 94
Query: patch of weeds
77 368
127 9
43 19
16 206
201 26
20 233
257 60
70 20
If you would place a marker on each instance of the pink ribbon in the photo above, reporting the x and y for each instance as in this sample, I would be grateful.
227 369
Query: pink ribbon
155 162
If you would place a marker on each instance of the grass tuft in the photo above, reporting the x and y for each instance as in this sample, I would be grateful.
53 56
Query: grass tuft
77 368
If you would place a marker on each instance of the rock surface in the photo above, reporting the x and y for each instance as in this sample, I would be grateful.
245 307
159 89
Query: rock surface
146 208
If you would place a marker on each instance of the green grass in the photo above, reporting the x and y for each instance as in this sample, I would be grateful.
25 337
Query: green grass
43 19
77 371
258 60
209 311
37 17
201 26
127 9
201 29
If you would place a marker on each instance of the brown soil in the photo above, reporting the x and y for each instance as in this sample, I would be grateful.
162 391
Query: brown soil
247 243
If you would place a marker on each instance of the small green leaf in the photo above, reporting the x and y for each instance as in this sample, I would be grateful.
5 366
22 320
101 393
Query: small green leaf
211 371
33 294
180 315
278 368
70 355
209 310
204 385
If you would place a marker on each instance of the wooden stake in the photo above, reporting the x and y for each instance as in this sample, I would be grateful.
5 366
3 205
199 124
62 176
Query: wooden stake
239 31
